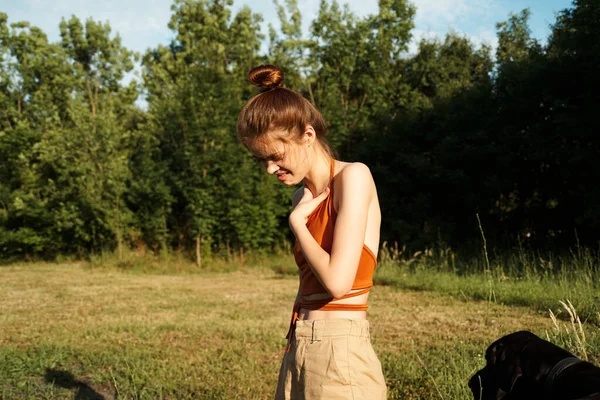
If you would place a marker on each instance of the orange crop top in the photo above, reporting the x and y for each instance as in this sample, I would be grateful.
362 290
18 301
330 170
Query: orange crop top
320 224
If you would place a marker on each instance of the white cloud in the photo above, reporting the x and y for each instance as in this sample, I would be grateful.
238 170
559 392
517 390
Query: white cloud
438 14
471 18
485 36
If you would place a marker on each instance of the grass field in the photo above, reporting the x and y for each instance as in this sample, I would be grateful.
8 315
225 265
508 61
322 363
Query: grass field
71 331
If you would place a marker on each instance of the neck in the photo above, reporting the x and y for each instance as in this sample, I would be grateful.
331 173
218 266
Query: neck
317 178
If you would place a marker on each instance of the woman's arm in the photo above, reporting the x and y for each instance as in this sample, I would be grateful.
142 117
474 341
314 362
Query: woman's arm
337 271
296 197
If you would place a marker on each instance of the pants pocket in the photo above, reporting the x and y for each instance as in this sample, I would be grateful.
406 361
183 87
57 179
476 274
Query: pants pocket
325 369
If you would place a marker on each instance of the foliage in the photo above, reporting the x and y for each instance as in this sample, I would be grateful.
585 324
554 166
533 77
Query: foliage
448 132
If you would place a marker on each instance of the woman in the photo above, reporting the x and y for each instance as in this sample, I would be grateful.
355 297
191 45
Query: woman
336 220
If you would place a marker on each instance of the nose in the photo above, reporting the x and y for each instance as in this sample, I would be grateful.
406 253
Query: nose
271 167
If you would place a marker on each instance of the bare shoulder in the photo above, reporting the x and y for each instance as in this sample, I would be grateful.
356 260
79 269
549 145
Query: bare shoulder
297 196
355 173
355 181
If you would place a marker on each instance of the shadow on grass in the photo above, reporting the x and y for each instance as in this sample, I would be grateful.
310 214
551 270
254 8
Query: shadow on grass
66 380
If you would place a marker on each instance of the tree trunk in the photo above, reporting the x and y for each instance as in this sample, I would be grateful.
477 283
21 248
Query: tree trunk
163 239
91 97
198 251
119 236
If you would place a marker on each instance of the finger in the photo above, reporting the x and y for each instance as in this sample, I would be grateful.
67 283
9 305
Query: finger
307 195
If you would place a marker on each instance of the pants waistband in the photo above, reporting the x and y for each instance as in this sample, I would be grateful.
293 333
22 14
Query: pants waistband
320 328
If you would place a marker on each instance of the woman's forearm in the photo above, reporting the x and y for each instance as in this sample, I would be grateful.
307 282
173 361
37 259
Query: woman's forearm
318 259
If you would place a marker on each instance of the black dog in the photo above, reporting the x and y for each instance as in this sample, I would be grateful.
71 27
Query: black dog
522 365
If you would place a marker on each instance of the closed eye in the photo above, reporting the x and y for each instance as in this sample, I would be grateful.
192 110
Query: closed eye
272 157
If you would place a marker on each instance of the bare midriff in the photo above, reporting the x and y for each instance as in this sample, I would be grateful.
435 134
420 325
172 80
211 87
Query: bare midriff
305 314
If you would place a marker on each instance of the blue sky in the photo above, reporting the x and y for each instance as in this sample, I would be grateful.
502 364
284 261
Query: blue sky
143 23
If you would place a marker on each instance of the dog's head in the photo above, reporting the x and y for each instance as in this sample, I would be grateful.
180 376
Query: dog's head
502 377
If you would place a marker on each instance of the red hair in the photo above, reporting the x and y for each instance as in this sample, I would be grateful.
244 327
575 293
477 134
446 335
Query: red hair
277 108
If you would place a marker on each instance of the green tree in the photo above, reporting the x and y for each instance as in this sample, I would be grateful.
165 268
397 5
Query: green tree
422 152
288 50
64 139
196 88
34 91
356 66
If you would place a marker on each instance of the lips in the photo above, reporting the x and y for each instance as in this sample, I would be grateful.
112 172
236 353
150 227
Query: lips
282 177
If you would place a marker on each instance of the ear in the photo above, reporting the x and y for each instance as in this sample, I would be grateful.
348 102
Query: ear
505 366
309 136
476 384
517 380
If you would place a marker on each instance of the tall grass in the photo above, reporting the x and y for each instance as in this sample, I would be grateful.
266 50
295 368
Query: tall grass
571 335
518 277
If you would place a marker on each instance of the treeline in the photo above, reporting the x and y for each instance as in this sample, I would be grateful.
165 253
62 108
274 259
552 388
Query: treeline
450 132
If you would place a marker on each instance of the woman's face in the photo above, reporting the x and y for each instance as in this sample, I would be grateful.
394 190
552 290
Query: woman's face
288 160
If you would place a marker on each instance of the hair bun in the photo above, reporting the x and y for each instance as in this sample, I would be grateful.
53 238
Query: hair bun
266 77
